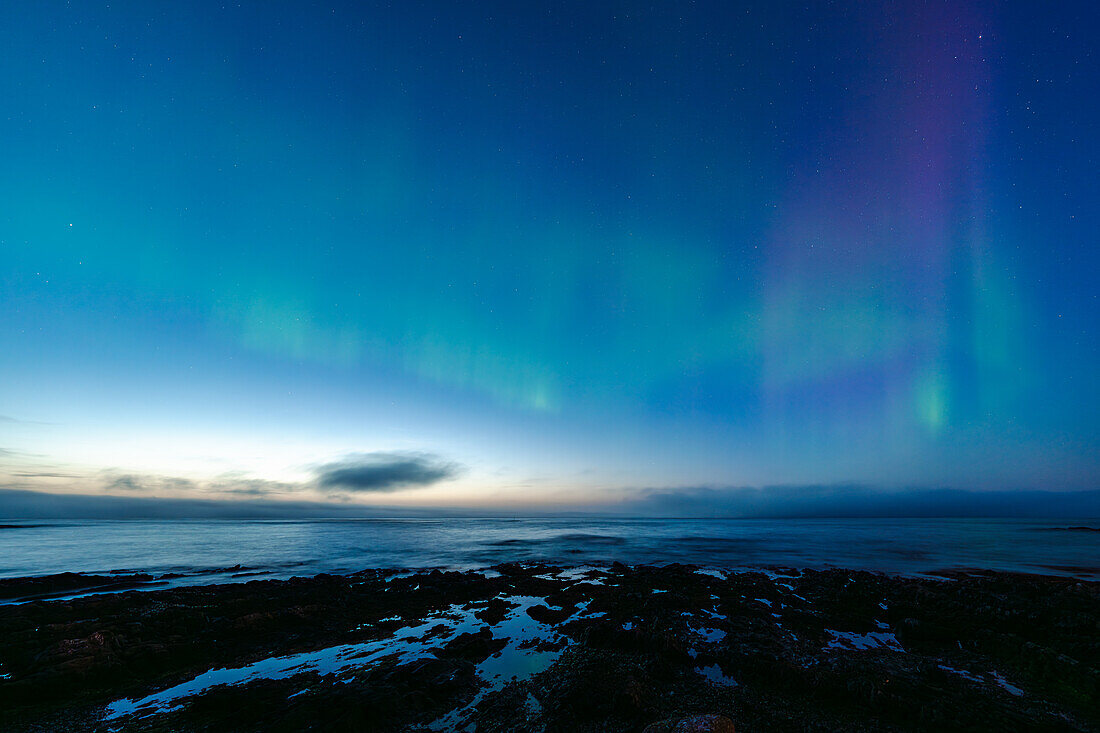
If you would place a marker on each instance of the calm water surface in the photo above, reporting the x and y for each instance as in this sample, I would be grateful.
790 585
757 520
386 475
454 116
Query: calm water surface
207 550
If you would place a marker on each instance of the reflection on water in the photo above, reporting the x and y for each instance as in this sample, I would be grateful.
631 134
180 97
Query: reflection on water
244 550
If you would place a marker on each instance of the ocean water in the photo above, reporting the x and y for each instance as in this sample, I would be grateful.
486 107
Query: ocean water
206 551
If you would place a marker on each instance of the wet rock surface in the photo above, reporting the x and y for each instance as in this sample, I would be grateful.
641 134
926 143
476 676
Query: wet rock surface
51 586
537 648
693 724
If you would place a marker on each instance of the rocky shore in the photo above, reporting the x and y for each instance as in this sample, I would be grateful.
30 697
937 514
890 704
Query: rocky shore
538 648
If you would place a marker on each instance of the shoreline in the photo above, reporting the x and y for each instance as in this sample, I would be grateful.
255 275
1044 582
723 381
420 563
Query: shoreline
542 647
68 586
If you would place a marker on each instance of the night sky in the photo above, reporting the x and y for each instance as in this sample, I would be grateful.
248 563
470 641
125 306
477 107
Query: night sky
513 254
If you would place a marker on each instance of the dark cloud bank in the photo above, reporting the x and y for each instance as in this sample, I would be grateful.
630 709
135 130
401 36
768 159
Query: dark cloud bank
19 504
382 472
780 502
862 501
356 474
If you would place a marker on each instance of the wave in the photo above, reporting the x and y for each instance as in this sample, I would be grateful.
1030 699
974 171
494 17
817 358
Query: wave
572 538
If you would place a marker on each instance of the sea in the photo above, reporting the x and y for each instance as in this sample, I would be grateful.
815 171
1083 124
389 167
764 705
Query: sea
218 551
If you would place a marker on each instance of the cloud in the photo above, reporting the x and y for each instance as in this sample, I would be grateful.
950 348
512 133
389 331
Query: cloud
232 484
168 485
383 472
853 500
355 474
8 419
44 474
147 484
19 455
17 504
125 483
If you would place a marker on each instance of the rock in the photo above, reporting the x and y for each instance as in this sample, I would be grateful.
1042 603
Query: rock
53 585
476 647
546 615
254 621
514 570
609 635
692 724
619 666
495 611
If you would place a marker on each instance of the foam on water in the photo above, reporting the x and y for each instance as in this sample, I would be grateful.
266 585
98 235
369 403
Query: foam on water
721 575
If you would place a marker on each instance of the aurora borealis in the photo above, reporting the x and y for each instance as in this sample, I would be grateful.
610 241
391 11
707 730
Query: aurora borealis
548 253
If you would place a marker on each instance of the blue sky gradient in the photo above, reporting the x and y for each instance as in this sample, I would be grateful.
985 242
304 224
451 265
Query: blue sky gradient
577 249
